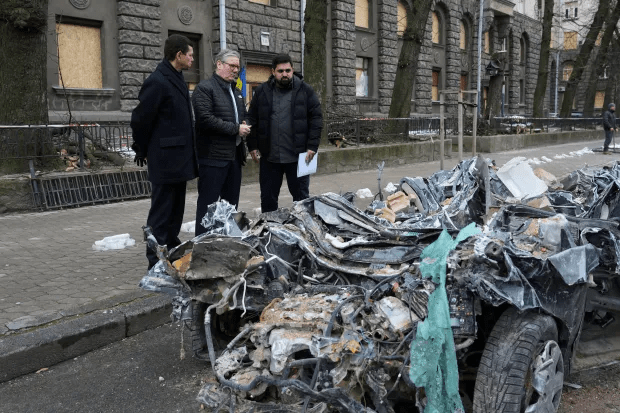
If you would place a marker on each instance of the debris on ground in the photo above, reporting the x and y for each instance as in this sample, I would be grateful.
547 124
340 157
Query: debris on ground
324 307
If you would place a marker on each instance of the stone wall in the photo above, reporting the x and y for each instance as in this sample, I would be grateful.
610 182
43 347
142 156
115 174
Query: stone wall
139 46
343 54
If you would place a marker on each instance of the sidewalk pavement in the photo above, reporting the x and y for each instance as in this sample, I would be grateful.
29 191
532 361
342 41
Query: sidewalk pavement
59 298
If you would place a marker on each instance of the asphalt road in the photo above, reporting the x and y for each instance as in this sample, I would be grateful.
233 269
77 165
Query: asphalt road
143 373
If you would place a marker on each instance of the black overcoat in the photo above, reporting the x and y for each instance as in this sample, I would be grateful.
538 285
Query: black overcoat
163 124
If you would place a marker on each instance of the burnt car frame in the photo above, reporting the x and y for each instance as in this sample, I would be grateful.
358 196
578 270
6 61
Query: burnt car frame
470 301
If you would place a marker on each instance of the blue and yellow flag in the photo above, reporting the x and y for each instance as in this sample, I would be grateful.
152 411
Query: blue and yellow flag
241 81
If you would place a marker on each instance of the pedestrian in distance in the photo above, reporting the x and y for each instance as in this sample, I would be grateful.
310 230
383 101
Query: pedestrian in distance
163 135
609 125
220 129
286 119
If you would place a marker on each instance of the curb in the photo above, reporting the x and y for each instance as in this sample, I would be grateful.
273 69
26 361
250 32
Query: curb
63 340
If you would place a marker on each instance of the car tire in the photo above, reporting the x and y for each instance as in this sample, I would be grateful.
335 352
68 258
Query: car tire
522 368
197 332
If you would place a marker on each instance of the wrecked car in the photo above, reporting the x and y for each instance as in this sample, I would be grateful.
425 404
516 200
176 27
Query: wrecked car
458 293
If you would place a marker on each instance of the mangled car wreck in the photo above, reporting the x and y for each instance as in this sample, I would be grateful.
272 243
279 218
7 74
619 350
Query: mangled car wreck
455 294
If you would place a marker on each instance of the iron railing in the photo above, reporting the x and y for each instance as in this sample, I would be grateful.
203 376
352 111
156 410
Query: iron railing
387 130
49 141
519 124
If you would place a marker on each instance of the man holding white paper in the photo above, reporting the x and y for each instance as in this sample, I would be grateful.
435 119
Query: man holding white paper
286 119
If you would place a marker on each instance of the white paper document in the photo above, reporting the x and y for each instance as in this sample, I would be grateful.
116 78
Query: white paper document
304 168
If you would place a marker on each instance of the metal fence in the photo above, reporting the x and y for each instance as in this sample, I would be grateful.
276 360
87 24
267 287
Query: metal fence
49 141
520 124
384 130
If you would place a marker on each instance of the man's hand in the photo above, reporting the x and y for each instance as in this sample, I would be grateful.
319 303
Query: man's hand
309 156
255 155
140 160
244 129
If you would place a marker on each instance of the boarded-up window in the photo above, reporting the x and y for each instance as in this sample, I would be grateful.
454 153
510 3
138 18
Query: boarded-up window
361 76
599 99
79 56
487 42
401 18
254 76
567 70
435 88
570 40
436 34
463 83
362 13
265 2
463 37
485 98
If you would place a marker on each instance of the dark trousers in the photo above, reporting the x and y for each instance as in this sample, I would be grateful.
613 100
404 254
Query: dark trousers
608 136
214 183
270 177
166 216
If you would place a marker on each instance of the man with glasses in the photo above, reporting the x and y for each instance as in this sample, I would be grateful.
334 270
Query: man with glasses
220 129
286 119
163 134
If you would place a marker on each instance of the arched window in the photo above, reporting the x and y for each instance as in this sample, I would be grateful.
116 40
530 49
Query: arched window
437 27
463 36
362 13
401 21
523 50
567 69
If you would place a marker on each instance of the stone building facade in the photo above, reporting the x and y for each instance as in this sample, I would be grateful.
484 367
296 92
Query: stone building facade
362 44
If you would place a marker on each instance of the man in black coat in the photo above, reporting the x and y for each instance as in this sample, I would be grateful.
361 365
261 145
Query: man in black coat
163 134
286 119
220 129
609 125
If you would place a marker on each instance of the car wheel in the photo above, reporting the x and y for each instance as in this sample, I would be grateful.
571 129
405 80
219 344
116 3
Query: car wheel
522 368
197 332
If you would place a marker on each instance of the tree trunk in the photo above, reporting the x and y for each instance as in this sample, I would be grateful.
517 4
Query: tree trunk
494 98
413 37
543 64
610 87
582 58
23 62
315 60
598 66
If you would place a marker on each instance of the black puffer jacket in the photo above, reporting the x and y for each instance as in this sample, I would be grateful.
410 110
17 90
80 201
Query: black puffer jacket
216 128
307 117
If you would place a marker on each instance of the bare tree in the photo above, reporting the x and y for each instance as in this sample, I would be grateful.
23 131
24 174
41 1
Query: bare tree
600 63
583 56
315 31
543 64
23 54
413 36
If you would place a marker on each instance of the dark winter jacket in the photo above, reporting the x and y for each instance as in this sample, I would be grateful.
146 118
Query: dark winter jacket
609 120
306 117
162 127
216 128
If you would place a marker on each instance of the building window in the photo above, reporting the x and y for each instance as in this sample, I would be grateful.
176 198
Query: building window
254 76
523 51
487 42
521 92
463 36
599 38
570 40
362 13
463 83
485 97
436 26
265 2
604 74
401 22
599 99
191 75
567 70
435 87
362 81
79 56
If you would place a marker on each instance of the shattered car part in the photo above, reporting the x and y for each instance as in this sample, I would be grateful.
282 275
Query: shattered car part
342 316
